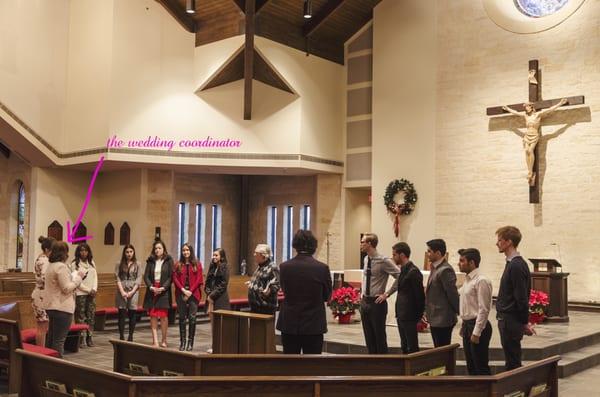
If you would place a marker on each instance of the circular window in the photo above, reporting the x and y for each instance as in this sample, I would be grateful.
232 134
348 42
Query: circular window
530 16
540 8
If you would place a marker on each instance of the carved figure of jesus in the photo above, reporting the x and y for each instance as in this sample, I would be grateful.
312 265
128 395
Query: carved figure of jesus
533 120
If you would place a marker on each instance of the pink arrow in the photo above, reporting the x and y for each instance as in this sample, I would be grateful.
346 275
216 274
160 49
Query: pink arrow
71 232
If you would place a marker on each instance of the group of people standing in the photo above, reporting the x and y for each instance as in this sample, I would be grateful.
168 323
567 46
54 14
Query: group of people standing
62 290
160 274
442 302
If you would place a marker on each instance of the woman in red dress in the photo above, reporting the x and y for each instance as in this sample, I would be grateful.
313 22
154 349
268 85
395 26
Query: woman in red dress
159 269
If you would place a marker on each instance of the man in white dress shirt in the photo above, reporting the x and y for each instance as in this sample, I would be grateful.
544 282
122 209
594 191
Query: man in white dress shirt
475 305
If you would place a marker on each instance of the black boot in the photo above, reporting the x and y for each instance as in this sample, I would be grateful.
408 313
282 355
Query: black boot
192 334
181 335
132 322
121 324
89 341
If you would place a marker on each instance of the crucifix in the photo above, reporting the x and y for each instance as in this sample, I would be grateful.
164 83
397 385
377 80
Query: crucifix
534 111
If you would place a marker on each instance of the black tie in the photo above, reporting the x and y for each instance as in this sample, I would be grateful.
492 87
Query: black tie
368 286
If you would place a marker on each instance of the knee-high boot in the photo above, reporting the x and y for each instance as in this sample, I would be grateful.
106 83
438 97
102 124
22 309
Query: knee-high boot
192 334
132 322
122 324
181 333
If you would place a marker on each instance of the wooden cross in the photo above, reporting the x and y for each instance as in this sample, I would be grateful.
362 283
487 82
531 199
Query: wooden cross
535 89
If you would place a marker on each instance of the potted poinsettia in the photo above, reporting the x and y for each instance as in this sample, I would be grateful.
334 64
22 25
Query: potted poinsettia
343 303
538 305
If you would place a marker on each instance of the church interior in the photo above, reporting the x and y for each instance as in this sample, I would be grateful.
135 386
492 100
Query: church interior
231 123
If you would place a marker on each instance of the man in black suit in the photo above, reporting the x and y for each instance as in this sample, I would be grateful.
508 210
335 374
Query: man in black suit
410 298
306 284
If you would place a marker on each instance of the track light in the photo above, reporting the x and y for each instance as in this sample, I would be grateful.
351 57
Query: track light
190 6
307 9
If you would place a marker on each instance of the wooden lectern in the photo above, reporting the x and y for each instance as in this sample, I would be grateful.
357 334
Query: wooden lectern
547 276
236 332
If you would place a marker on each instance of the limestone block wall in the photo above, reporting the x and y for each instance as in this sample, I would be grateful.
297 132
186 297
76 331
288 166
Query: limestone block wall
279 191
328 220
205 189
480 172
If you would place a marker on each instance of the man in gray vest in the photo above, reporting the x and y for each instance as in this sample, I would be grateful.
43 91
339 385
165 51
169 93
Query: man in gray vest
441 294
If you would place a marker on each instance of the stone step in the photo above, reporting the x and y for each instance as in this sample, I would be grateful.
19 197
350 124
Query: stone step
570 363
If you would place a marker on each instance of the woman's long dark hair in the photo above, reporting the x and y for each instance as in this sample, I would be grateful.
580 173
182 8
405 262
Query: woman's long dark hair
193 259
123 266
222 254
89 258
165 253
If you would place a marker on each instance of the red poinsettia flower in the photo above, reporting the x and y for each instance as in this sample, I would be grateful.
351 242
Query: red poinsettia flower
343 301
538 304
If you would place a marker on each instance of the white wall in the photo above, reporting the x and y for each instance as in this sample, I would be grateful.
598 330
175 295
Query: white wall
33 63
89 73
404 118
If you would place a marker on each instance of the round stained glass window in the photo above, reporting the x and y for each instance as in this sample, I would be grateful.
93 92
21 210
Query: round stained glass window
540 8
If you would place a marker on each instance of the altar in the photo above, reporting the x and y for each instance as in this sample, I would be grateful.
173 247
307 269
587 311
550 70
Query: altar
355 276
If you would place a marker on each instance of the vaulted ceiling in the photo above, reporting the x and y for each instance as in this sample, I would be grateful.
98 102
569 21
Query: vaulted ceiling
333 22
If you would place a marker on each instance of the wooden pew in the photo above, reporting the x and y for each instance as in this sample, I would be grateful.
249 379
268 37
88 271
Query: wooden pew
22 312
36 369
158 360
10 340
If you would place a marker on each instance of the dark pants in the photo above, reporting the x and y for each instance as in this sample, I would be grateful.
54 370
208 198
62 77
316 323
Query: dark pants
442 336
132 314
511 333
373 317
187 310
409 340
477 354
307 344
58 328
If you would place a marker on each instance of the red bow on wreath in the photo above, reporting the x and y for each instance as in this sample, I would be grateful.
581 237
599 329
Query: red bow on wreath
397 209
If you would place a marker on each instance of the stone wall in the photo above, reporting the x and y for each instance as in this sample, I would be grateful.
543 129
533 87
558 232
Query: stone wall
479 172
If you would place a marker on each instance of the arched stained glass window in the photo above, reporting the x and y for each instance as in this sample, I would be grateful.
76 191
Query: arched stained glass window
20 226
540 8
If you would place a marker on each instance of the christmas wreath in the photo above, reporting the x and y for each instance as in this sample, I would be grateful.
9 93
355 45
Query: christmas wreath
393 207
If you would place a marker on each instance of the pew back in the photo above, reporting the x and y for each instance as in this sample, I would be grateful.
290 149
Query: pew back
159 360
37 369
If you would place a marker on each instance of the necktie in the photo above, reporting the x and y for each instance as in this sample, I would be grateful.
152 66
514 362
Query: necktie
368 283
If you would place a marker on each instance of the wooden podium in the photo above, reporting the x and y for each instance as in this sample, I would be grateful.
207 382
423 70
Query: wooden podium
236 332
547 276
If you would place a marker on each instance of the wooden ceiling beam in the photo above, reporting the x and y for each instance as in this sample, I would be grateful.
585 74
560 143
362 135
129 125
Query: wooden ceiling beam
184 19
325 12
258 5
249 58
